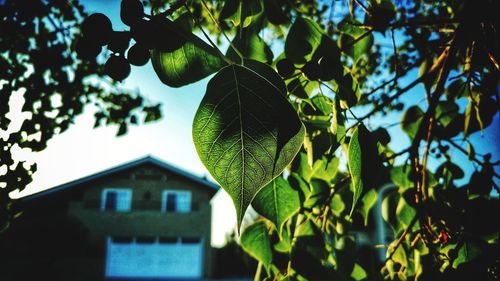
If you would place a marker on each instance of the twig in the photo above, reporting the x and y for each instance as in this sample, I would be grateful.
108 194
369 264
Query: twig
396 62
204 3
401 239
226 59
363 7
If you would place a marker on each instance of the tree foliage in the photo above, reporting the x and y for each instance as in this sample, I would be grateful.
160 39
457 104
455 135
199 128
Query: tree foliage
290 124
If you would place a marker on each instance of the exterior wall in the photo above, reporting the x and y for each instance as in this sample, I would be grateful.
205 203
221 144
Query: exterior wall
145 218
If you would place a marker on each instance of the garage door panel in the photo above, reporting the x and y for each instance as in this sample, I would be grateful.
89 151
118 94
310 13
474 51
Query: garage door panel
167 260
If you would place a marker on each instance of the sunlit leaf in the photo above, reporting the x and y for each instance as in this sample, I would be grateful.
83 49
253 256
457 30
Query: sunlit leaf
405 212
277 201
255 240
367 202
245 131
241 12
358 273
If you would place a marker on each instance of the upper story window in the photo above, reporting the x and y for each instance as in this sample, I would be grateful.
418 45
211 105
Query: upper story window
116 199
176 201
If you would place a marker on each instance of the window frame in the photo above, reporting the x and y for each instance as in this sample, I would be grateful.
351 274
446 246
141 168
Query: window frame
164 195
127 191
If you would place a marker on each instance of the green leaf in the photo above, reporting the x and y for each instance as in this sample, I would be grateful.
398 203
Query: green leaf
303 39
411 120
301 166
242 12
319 194
300 87
466 253
405 212
323 104
399 255
355 166
251 45
191 62
358 273
348 90
450 168
367 202
364 163
255 240
324 169
245 131
446 112
350 40
400 176
337 205
277 201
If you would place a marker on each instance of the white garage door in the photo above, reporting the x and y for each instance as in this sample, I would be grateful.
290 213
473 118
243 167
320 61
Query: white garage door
154 258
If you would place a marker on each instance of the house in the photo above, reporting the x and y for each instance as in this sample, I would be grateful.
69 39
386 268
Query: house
140 220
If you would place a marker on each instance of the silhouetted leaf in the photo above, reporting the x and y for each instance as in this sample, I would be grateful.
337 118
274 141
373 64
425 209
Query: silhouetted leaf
191 62
303 39
251 45
411 120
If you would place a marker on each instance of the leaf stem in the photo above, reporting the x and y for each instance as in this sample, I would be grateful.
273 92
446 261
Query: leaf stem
226 59
204 3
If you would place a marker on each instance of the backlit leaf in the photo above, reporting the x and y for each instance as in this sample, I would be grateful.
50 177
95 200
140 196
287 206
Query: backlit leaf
303 39
191 62
255 240
251 45
245 131
241 12
277 201
367 202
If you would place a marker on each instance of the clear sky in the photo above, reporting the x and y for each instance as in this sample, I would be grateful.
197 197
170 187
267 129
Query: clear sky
82 150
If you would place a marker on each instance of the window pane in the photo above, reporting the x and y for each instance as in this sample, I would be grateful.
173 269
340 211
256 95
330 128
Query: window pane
183 202
110 201
123 201
171 202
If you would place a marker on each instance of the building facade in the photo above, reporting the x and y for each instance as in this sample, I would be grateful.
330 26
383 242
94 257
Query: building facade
141 220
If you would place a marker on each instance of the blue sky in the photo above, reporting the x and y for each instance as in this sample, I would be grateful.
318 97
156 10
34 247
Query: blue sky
83 150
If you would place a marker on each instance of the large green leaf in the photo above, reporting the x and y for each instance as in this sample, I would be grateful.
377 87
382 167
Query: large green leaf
245 131
303 39
277 201
255 241
190 62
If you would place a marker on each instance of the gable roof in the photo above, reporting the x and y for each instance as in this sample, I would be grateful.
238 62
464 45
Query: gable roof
132 164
